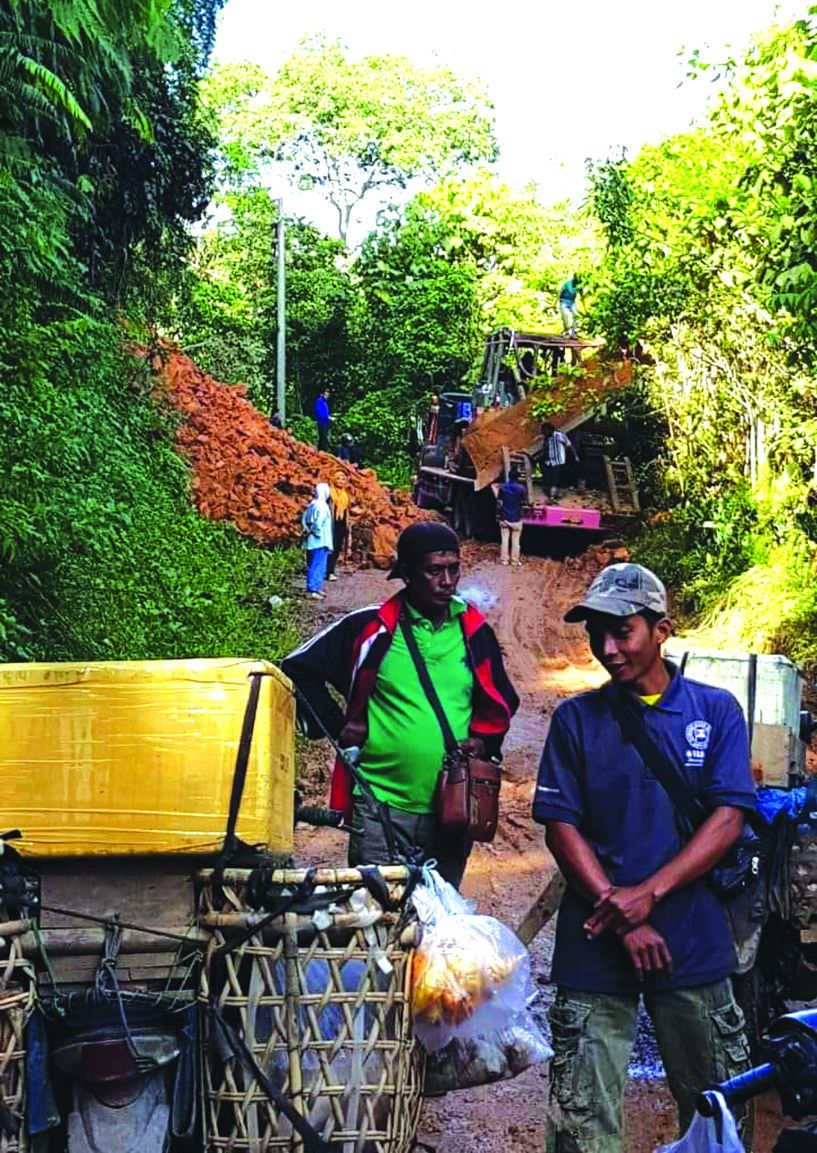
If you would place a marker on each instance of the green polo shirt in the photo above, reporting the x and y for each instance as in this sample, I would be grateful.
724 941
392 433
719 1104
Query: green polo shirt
404 750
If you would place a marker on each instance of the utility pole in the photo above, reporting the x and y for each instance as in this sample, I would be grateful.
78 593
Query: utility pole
281 349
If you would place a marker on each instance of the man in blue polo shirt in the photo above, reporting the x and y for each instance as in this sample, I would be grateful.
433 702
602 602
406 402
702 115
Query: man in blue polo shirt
638 917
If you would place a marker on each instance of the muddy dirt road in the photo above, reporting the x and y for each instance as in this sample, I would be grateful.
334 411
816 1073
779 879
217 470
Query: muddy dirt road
547 660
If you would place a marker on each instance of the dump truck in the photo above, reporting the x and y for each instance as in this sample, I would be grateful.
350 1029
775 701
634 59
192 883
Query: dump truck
472 439
168 981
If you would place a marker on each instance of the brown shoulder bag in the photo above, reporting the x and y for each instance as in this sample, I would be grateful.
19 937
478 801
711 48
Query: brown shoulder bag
467 787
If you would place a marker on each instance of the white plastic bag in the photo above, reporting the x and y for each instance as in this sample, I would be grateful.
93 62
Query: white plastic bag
471 991
469 973
716 1134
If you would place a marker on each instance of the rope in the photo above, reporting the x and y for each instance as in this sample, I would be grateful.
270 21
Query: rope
107 921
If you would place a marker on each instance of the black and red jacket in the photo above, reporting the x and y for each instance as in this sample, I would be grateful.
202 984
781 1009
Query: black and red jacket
346 657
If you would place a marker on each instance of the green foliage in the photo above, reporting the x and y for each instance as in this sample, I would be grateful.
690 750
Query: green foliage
709 272
381 423
417 324
227 312
103 162
521 251
103 555
700 550
611 197
351 126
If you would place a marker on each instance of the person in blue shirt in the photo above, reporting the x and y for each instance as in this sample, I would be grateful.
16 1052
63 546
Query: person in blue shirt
510 501
638 917
323 416
568 299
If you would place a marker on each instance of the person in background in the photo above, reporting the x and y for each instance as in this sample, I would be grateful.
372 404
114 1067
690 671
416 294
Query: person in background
317 524
512 496
339 503
568 300
323 416
349 451
638 917
389 725
555 448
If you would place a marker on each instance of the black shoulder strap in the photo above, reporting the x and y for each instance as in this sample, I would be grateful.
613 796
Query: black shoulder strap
231 841
242 761
428 688
664 771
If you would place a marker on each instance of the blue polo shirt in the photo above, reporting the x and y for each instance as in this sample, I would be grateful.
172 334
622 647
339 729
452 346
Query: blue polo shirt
591 778
512 497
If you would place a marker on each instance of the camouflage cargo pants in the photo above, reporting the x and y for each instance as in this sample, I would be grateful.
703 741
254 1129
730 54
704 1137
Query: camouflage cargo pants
700 1036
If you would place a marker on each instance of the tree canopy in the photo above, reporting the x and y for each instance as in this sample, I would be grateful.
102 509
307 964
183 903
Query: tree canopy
352 127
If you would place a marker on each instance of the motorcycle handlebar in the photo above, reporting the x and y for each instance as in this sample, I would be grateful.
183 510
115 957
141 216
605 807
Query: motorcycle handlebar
319 817
738 1089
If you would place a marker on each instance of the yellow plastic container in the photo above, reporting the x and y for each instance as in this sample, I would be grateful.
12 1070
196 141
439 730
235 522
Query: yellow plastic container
138 756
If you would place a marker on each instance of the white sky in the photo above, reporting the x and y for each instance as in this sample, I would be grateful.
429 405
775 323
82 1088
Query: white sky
569 80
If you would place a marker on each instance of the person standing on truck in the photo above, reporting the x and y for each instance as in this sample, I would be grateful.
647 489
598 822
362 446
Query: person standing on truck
510 501
323 417
638 917
568 304
555 447
389 725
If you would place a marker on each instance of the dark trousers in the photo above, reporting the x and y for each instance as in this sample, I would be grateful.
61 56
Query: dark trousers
323 437
370 847
339 529
553 476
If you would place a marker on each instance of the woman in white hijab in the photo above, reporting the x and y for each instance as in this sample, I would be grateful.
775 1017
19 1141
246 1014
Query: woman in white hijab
317 524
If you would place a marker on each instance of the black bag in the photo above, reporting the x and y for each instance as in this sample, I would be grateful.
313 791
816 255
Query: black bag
741 866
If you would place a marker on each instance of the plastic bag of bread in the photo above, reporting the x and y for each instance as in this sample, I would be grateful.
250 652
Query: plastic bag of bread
470 977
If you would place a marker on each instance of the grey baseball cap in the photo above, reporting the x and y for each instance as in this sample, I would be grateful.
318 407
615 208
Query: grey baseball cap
622 590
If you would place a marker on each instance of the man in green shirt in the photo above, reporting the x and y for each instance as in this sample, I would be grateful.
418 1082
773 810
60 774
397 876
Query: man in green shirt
388 721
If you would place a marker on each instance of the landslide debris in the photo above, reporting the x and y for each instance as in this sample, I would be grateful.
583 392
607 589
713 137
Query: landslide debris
597 557
260 477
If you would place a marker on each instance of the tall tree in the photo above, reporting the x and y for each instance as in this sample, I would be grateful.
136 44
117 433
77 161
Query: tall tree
228 313
353 127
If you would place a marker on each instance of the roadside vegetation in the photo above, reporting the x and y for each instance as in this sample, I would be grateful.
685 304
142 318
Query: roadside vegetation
135 201
104 163
709 269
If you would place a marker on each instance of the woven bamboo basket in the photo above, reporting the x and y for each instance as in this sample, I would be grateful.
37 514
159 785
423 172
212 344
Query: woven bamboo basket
322 1003
16 1003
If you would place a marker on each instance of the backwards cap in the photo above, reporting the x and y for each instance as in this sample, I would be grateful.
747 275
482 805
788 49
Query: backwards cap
421 538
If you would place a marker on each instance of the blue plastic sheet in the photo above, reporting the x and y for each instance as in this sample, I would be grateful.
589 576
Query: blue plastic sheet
770 802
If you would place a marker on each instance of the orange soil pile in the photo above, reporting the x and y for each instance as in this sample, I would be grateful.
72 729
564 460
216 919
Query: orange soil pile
260 477
590 563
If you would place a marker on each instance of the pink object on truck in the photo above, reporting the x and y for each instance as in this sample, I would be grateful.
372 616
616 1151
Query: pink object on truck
555 516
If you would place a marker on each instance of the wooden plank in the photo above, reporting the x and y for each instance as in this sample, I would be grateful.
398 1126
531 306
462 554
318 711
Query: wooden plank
150 892
771 753
542 908
528 476
611 484
446 475
631 483
89 942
